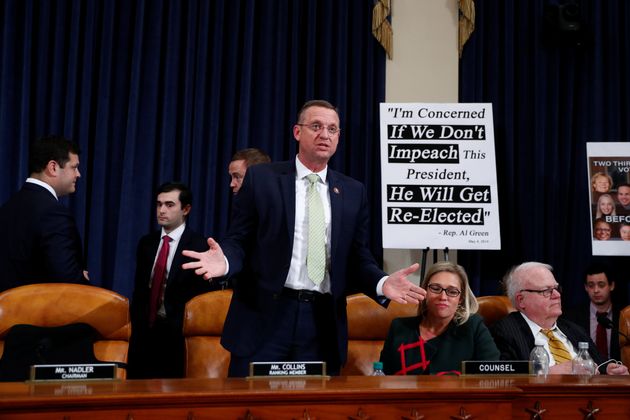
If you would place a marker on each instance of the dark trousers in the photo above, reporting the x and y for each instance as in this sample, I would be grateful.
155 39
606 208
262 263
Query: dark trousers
303 333
157 351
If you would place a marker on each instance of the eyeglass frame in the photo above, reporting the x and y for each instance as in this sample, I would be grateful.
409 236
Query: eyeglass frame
547 293
446 290
336 131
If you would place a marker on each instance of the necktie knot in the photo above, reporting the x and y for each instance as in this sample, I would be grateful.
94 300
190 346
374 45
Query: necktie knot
312 178
600 314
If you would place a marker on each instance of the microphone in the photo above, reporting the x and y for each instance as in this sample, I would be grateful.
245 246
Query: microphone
605 322
608 324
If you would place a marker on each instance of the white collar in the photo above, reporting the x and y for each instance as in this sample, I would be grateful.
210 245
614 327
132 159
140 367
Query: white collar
302 171
43 184
176 233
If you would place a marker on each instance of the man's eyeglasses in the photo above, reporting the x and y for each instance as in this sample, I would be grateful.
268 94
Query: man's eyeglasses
437 289
316 127
545 292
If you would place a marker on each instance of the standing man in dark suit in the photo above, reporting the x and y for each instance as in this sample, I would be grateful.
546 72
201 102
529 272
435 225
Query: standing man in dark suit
162 288
40 240
536 296
289 302
599 286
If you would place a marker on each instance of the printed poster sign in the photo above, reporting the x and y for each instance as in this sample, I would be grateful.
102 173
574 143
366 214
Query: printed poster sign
609 197
439 176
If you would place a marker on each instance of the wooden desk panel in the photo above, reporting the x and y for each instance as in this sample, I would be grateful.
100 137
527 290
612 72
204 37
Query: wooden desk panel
354 397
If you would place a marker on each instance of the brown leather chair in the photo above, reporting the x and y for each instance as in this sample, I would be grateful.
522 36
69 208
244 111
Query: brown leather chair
624 328
494 308
57 304
203 325
368 324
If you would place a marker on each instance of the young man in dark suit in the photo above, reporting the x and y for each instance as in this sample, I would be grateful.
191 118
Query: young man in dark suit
536 296
162 288
289 302
40 240
599 286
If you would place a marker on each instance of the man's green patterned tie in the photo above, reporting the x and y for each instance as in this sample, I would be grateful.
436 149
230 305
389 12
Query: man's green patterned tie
316 257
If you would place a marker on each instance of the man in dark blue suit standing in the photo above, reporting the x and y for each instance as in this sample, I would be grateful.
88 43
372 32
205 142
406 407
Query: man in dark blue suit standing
40 241
162 287
289 301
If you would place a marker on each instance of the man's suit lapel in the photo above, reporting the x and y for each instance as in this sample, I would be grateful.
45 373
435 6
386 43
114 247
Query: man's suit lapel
335 192
176 265
286 180
524 336
614 334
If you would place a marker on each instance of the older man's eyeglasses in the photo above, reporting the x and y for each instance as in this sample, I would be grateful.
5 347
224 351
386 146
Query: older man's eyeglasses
545 292
316 127
437 289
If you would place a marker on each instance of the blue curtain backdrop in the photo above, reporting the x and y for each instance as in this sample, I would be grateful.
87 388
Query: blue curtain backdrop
552 89
163 90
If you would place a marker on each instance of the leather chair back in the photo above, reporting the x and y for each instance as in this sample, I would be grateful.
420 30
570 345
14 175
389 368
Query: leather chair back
624 329
203 325
57 304
368 325
494 308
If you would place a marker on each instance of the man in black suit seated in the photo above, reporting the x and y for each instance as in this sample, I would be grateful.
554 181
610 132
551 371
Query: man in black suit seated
162 288
536 295
40 240
599 285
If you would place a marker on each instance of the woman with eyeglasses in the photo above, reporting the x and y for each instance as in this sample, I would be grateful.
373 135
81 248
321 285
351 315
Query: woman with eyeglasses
445 332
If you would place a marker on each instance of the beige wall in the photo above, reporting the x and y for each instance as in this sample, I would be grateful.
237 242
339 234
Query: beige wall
424 69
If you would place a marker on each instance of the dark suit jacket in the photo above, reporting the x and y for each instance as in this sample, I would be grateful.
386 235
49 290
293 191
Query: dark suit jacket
259 244
40 240
515 340
181 285
469 341
580 315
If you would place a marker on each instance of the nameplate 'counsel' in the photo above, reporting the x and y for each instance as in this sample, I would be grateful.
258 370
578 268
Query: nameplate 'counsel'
496 367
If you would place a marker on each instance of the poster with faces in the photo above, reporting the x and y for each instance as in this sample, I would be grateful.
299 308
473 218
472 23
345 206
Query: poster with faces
439 179
609 197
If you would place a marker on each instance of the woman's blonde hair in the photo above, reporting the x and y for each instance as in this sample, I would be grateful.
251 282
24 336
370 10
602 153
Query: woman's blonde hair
468 302
599 212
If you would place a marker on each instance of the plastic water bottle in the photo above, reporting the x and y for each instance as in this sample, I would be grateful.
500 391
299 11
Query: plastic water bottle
539 359
378 369
583 364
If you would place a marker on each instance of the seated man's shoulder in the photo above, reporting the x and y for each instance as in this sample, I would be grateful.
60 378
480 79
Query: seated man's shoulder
507 322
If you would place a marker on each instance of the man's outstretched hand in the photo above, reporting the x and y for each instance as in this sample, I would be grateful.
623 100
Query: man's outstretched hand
401 290
209 264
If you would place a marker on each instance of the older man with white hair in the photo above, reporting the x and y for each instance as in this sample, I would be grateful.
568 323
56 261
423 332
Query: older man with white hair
535 294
